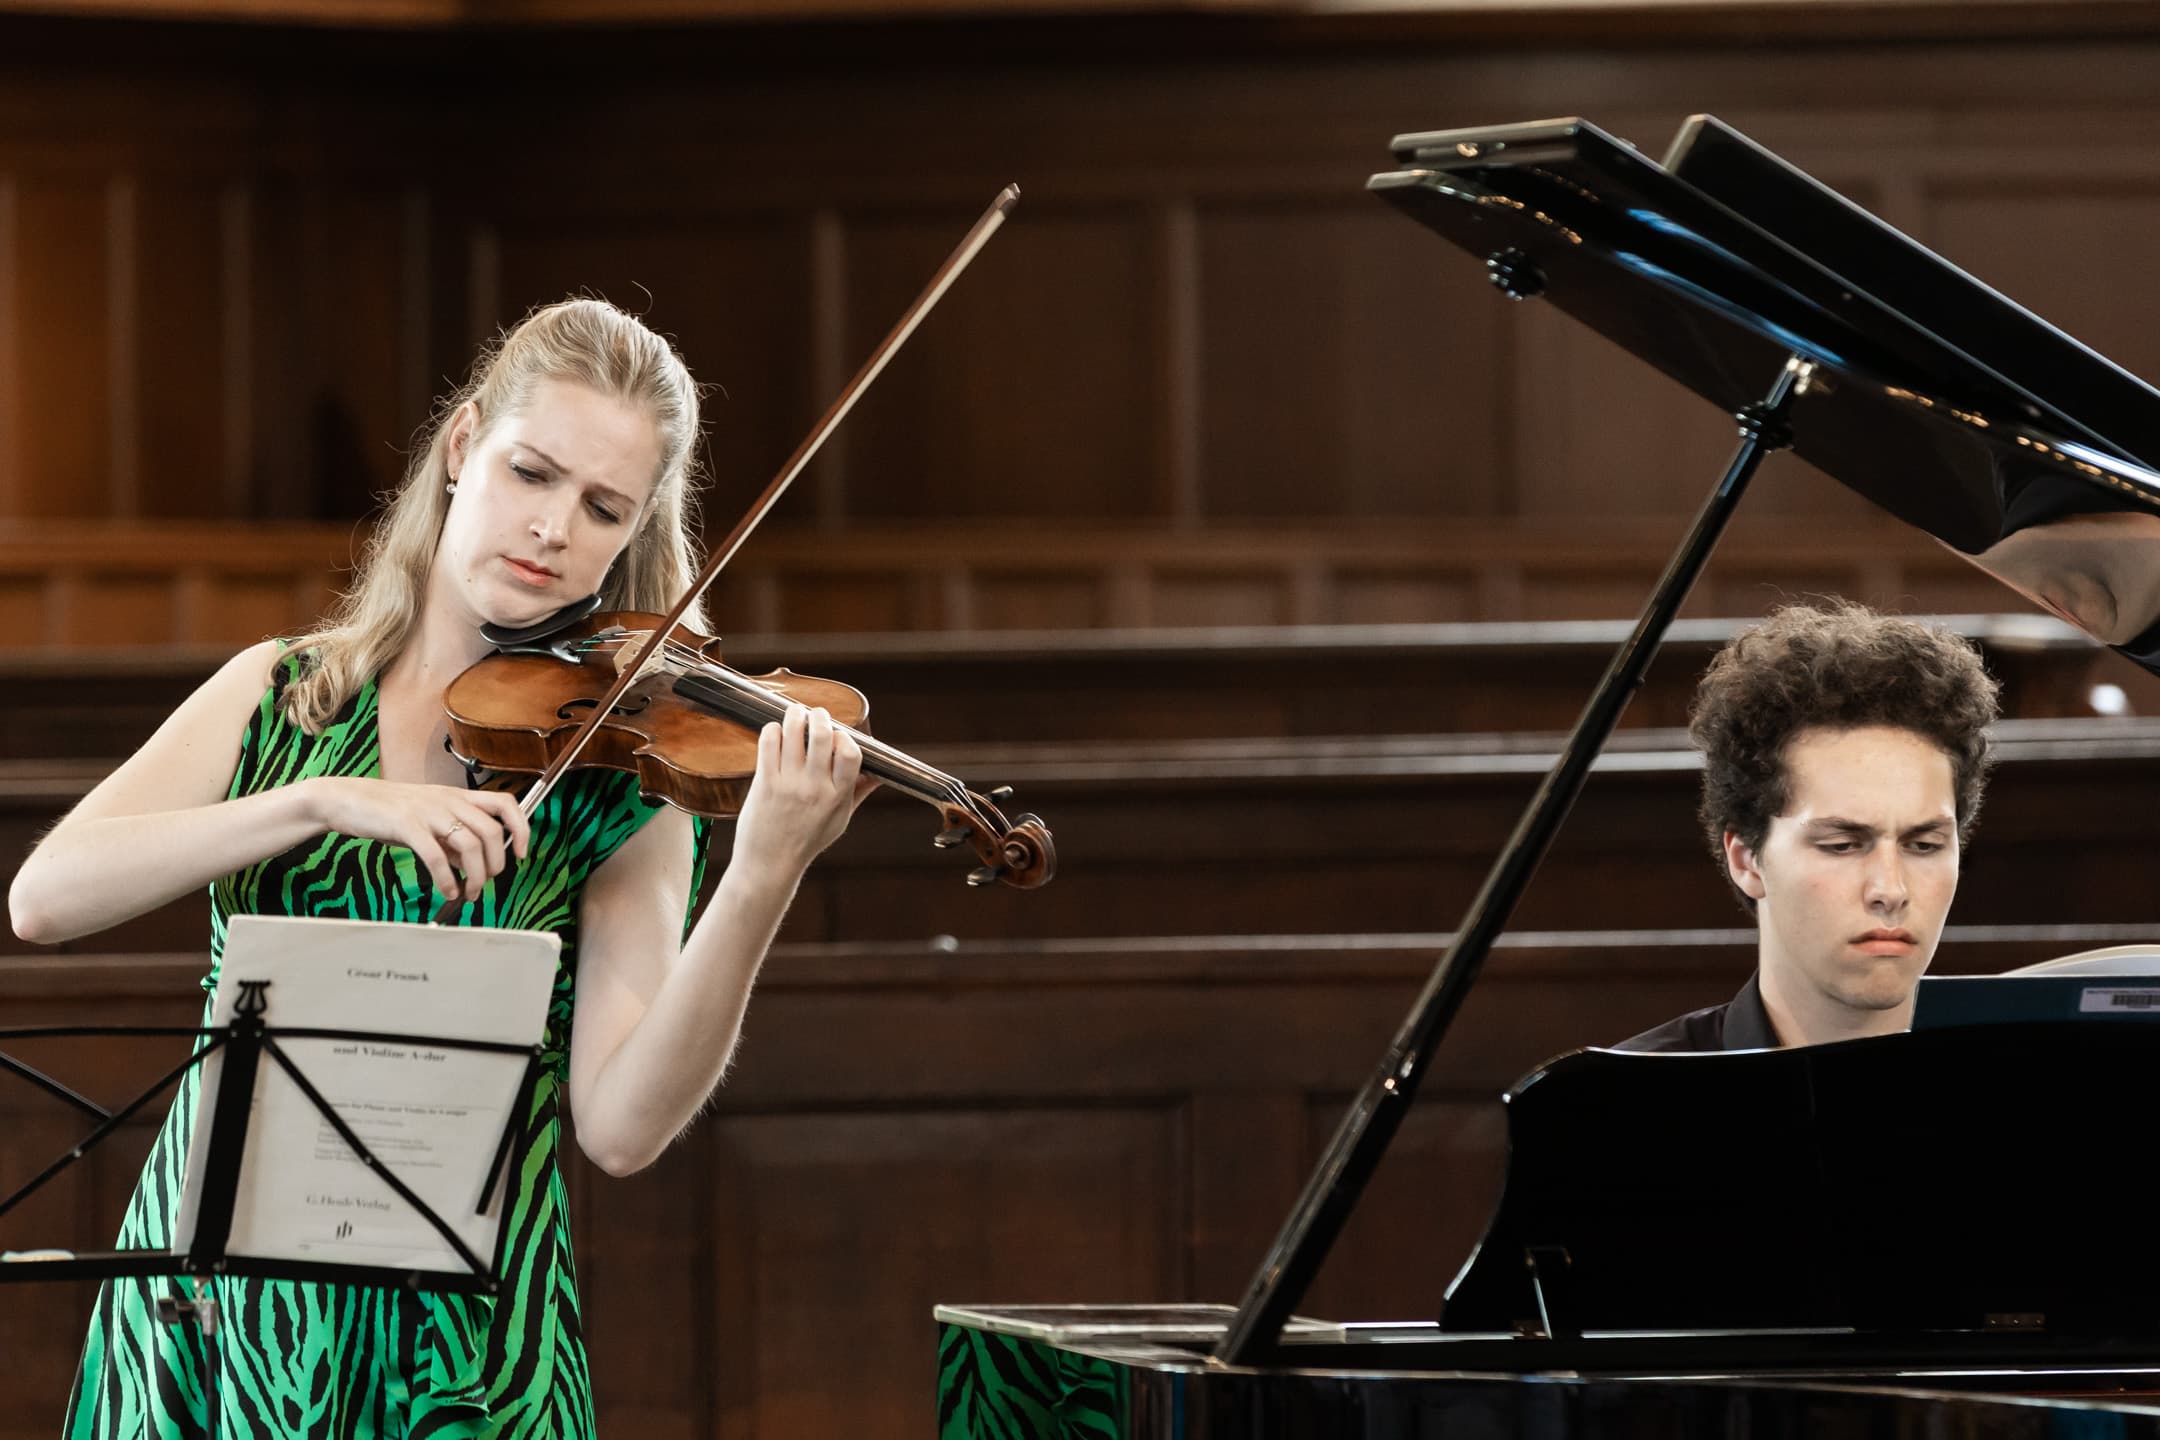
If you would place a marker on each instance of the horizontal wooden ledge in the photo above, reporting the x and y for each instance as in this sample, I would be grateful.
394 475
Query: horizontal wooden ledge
40 546
1330 760
945 963
1526 956
219 542
206 585
1168 644
1383 759
2008 632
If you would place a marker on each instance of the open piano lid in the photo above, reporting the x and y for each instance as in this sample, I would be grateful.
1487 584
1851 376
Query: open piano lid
1670 1198
1935 397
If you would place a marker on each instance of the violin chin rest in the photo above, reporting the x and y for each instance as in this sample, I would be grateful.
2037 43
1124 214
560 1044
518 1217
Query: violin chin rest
503 638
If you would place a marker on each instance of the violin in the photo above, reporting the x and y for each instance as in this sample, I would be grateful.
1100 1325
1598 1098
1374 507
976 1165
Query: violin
687 728
690 731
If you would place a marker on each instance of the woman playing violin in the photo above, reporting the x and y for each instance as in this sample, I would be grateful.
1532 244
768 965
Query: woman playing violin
311 778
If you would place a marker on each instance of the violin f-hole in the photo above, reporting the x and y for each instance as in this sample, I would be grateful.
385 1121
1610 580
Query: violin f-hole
625 706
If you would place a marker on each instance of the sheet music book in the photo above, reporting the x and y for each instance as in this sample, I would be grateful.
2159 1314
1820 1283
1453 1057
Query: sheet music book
432 1115
2129 992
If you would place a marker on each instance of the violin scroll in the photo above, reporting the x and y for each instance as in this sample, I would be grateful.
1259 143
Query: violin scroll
1018 852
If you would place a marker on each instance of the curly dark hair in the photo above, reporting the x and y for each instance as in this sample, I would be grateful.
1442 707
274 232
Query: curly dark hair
1838 666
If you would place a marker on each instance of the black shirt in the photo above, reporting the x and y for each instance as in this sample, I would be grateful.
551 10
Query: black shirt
1740 1023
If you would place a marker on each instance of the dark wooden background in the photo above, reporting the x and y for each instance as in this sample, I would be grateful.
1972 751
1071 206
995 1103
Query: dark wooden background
238 260
1229 515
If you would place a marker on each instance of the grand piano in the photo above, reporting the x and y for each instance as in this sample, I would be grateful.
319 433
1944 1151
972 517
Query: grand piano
1932 1234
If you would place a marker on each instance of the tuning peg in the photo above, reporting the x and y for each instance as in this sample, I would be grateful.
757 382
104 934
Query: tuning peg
1000 795
947 839
986 875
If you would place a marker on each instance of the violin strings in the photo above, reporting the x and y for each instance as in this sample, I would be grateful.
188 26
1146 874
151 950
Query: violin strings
769 706
925 782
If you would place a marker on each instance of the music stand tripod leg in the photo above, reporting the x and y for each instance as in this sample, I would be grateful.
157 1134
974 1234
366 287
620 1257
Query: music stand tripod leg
203 1311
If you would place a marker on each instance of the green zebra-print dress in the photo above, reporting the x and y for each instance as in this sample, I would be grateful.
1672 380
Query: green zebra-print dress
336 1361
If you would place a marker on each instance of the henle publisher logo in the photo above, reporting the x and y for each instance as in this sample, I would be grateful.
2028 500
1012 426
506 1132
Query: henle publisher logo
344 1230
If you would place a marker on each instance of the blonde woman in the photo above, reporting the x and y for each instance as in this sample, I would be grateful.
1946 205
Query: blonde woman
310 778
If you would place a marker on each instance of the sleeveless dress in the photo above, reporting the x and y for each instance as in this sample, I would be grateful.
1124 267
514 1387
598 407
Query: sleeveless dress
340 1361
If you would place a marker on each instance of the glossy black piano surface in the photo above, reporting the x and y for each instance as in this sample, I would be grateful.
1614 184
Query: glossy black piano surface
1046 1372
1801 1220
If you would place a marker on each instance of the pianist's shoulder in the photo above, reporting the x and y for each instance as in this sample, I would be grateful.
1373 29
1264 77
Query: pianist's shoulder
1740 1023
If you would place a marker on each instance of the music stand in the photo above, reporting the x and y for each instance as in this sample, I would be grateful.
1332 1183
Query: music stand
242 1044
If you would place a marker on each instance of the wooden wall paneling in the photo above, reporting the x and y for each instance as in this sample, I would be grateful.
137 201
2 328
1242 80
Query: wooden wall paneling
24 606
63 316
1790 498
735 295
646 1254
333 324
175 583
483 292
1916 589
1034 600
1599 432
1044 346
830 367
861 1220
182 332
1223 596
123 322
42 1354
1422 1213
1758 593
284 345
236 335
416 261
1401 852
1178 349
360 421
1351 367
1548 593
815 602
1210 139
1383 597
136 608
1324 836
745 599
235 611
12 457
1168 855
80 1208
1247 1167
1134 687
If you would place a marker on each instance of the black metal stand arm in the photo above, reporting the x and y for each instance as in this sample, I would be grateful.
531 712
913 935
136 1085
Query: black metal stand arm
1361 1140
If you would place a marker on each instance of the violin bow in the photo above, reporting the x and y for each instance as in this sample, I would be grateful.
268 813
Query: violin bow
978 235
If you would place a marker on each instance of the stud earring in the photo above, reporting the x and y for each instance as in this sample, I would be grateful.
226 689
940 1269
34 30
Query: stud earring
451 488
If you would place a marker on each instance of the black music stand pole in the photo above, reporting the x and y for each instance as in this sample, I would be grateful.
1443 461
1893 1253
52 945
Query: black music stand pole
1360 1141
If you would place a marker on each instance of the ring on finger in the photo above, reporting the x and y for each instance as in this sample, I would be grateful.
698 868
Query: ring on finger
454 828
